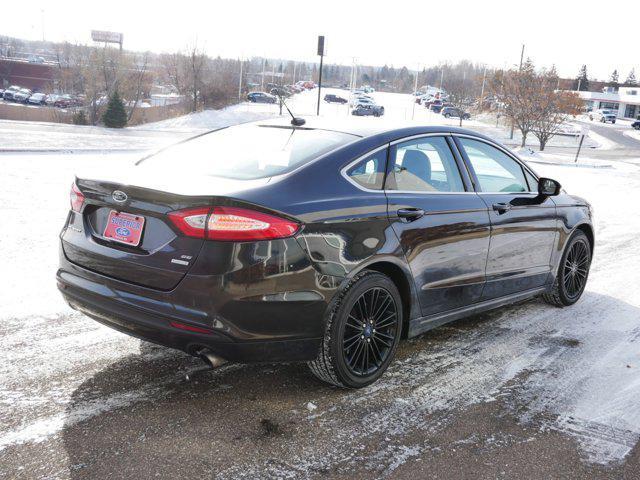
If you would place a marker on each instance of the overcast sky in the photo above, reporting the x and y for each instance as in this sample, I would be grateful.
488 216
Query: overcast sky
400 32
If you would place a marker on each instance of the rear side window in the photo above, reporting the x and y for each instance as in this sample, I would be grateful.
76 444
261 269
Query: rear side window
369 173
496 171
425 165
247 152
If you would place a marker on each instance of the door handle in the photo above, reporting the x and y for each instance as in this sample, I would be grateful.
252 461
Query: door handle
501 207
410 214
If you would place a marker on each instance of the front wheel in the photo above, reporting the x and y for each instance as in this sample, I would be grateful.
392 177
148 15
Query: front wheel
572 273
362 332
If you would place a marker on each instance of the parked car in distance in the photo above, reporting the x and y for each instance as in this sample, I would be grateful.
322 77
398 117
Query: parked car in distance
10 92
332 98
1 93
636 125
436 106
37 99
280 91
22 95
239 256
455 112
369 109
64 101
603 115
261 97
361 100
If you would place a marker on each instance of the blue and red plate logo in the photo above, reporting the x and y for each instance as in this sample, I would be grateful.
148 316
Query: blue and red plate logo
124 228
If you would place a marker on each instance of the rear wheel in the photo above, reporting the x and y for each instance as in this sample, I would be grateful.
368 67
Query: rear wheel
362 333
572 273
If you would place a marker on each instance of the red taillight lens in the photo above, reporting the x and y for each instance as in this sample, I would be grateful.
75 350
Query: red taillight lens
232 224
77 198
192 221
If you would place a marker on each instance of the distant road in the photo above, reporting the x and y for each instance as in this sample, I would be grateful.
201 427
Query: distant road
615 133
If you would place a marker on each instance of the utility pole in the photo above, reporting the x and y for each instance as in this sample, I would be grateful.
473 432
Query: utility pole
294 73
240 81
415 89
484 80
321 53
519 70
441 77
262 80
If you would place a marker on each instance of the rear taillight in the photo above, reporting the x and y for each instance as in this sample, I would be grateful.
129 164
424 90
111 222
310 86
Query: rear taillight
231 224
76 197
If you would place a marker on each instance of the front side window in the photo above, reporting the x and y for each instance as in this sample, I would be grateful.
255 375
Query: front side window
425 165
369 173
496 171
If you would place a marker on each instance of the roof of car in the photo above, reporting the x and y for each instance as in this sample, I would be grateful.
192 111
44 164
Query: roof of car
387 128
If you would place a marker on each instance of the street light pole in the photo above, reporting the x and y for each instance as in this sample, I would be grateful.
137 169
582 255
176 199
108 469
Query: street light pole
240 82
321 53
415 89
519 70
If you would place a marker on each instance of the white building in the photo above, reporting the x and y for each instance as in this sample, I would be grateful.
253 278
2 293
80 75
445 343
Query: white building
624 100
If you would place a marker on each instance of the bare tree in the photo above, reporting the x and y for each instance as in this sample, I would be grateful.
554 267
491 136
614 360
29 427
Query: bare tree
136 81
517 93
194 72
553 108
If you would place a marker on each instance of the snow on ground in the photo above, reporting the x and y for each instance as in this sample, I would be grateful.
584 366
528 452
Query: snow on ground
575 371
633 134
212 119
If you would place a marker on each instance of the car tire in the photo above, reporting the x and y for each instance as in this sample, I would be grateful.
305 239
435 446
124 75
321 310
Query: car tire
613 122
573 272
446 115
361 358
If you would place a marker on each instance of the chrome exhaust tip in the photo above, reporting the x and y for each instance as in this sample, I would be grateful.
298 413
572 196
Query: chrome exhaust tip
211 359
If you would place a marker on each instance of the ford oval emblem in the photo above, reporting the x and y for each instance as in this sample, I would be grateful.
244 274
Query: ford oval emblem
119 196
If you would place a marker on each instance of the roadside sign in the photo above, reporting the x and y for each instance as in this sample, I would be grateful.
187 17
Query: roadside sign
106 37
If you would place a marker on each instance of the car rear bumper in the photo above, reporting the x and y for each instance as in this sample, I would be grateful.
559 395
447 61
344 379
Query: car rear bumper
240 329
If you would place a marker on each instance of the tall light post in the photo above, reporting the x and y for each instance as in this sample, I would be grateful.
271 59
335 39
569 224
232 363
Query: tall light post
240 80
321 53
415 89
519 70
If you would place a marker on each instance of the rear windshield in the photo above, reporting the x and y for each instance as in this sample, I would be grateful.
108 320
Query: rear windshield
248 151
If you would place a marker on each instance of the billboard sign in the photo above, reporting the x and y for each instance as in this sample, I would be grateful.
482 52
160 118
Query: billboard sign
106 37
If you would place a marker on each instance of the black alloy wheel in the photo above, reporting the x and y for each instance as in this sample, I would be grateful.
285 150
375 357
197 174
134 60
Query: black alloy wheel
370 331
363 330
576 269
573 272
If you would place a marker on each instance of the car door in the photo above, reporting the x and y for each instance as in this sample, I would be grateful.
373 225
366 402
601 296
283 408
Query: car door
442 225
523 223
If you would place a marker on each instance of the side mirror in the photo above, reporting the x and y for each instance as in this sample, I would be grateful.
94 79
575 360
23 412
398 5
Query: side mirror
548 187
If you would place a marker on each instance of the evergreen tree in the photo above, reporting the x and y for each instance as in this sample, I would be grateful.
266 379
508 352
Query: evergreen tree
582 80
613 81
115 115
80 118
631 79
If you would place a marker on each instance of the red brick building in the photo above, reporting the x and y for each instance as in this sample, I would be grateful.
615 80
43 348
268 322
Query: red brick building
32 75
